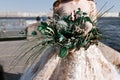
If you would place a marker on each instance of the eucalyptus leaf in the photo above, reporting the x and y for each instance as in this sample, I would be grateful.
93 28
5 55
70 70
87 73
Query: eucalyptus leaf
84 13
63 52
34 33
79 11
88 19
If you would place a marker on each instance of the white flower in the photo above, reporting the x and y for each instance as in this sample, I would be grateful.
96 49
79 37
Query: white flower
88 27
61 25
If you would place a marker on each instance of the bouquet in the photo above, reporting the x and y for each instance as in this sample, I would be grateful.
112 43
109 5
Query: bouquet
68 33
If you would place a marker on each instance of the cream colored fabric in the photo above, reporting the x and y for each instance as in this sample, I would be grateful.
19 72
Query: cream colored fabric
83 64
87 64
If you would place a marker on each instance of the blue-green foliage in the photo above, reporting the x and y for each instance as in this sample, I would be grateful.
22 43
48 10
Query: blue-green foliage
68 33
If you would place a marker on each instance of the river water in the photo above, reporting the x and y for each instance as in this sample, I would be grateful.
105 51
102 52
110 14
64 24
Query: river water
110 28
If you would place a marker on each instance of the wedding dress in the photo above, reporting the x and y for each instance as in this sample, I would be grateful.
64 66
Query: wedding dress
82 64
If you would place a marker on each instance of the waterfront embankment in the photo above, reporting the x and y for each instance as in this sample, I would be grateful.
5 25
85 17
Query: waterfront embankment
9 49
35 14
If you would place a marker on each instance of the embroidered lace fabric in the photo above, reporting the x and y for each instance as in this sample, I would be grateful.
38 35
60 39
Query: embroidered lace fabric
83 64
86 65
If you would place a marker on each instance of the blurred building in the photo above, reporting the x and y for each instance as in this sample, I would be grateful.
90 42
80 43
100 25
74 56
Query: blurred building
23 14
35 14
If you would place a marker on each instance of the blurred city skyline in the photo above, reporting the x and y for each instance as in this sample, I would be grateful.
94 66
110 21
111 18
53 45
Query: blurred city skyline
46 5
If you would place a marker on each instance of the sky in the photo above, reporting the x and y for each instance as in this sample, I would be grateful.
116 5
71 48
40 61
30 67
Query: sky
46 5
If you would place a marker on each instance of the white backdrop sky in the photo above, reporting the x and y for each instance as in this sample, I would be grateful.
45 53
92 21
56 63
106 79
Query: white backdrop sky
46 5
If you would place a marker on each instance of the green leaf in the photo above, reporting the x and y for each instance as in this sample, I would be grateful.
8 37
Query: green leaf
21 32
79 11
88 19
61 37
67 19
63 52
67 34
34 33
78 21
42 26
78 44
85 42
84 13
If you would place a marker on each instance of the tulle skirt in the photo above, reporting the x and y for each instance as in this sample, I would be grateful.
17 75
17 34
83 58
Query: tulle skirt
83 64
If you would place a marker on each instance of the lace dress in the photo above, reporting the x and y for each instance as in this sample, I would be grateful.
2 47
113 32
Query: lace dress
83 64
